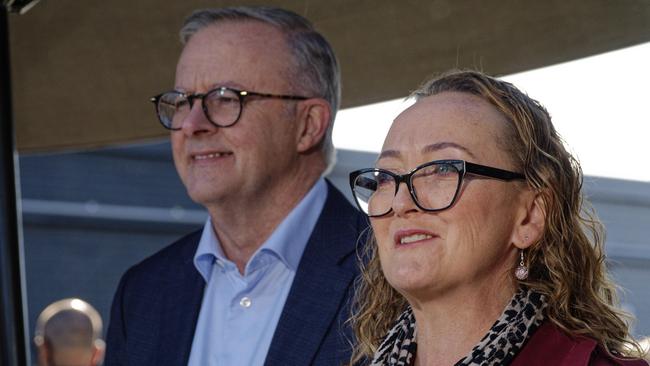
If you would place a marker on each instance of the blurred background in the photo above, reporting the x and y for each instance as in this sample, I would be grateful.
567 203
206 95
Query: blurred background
98 191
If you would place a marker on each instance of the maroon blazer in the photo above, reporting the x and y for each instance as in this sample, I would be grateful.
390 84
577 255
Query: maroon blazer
551 346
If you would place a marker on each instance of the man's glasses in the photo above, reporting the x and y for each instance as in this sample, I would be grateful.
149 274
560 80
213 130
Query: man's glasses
222 106
434 186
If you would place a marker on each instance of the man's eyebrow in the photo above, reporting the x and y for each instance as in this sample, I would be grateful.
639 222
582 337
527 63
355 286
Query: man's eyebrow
444 145
228 84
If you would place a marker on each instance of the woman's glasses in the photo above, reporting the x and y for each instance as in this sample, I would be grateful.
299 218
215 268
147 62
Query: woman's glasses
434 186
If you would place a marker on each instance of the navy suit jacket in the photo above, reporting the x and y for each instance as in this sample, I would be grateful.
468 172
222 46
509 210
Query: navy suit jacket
157 302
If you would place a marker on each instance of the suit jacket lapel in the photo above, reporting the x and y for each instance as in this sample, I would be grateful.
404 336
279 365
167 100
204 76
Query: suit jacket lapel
319 289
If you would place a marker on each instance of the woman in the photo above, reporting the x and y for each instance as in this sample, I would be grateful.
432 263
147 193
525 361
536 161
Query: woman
482 253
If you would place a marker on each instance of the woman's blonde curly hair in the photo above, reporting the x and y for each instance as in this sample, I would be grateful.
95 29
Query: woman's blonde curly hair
567 264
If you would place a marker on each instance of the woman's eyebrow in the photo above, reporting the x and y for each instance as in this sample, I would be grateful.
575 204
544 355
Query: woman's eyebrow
444 145
427 149
389 154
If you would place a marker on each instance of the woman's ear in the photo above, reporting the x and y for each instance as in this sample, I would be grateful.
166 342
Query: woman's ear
314 120
531 220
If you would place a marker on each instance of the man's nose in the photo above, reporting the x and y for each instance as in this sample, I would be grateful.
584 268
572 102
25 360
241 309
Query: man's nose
196 121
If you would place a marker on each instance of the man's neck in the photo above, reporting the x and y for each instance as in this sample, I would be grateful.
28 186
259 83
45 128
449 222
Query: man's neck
243 227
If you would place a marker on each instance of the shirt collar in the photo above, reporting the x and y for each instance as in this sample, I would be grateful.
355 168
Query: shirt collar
287 242
290 238
208 251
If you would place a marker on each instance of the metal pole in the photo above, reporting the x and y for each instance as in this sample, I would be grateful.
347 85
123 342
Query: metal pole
13 347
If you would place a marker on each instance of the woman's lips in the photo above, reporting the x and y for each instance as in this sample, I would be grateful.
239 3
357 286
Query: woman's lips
412 236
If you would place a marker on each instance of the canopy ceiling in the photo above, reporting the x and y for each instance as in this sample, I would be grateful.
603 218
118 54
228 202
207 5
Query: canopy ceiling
82 71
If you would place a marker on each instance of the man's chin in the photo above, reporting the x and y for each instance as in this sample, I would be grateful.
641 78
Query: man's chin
210 195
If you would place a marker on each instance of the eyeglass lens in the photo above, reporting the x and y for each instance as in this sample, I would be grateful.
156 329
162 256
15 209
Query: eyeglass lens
222 107
434 187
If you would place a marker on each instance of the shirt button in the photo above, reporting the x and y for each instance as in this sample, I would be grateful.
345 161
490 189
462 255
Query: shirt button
245 302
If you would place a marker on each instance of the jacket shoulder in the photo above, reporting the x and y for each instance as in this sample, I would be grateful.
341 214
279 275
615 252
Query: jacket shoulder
345 212
550 345
169 259
601 358
156 304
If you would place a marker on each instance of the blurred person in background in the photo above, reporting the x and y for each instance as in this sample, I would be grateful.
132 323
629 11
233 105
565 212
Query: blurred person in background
68 333
483 250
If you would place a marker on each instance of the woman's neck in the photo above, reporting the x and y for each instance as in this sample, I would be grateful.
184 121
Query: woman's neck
449 326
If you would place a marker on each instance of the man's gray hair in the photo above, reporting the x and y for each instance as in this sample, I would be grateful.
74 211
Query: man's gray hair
316 69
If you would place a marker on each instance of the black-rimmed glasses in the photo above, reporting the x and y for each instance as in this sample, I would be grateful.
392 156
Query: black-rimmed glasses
222 106
434 186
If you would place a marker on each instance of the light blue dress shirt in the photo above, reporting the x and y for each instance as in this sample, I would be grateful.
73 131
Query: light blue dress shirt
239 313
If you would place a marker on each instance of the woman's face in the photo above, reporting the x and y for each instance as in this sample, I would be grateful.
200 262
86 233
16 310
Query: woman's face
468 246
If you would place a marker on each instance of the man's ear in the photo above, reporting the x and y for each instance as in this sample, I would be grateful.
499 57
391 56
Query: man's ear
313 122
531 220
99 349
43 354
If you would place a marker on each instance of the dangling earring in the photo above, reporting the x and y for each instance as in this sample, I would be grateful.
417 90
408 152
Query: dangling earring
522 271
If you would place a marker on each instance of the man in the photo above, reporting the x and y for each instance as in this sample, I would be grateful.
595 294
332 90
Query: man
68 333
269 278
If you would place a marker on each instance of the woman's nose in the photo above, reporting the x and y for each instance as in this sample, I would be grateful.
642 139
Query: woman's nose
403 201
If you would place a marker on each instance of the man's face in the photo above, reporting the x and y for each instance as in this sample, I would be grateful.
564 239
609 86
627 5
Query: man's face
243 162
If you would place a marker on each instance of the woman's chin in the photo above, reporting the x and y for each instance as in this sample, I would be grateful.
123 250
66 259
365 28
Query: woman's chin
407 281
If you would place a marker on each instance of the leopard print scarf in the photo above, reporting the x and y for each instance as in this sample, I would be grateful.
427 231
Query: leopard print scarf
518 322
